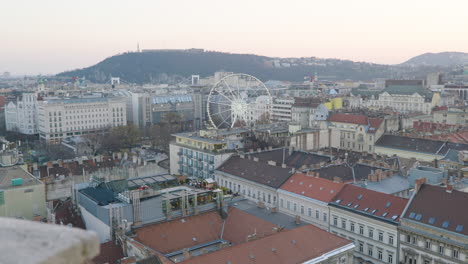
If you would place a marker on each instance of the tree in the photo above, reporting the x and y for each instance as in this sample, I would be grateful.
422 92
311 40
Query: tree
121 137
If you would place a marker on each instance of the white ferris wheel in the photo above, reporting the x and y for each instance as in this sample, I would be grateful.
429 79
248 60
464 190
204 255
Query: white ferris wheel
238 100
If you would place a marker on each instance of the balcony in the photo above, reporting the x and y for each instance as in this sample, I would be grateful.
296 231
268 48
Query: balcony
36 243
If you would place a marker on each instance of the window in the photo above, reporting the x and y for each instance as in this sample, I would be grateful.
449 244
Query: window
413 240
324 217
288 205
335 221
371 233
343 223
281 201
361 247
370 251
390 258
317 214
310 212
361 229
295 207
390 240
380 254
441 249
380 236
455 253
352 227
428 244
302 209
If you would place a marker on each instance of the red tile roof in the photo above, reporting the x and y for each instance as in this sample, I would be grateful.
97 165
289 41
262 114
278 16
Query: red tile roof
240 224
349 118
110 253
293 246
374 124
387 206
194 230
316 188
182 233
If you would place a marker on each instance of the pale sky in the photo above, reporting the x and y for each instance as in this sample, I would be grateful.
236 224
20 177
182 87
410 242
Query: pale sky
50 36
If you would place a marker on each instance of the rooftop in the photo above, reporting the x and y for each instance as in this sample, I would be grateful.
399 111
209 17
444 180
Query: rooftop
434 206
292 246
316 188
418 144
296 159
371 203
256 171
8 175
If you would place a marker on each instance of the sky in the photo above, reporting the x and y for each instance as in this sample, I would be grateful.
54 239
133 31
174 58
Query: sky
51 36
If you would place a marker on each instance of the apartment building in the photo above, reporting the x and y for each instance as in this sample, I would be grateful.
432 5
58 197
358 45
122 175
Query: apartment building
62 118
355 132
452 116
197 154
255 180
307 197
281 109
21 115
434 226
370 219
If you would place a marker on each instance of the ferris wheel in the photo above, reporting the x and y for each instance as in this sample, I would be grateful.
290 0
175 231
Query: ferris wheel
238 100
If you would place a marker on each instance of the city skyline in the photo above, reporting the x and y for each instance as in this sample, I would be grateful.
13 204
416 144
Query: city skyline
51 36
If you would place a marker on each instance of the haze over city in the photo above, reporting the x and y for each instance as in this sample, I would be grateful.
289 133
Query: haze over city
52 36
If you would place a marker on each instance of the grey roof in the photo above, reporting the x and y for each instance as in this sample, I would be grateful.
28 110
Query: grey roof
297 159
388 185
422 145
256 171
452 155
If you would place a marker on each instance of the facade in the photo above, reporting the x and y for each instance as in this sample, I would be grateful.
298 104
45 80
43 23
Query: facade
197 154
21 116
307 197
401 102
255 180
63 118
452 116
355 132
434 226
370 219
281 109
21 194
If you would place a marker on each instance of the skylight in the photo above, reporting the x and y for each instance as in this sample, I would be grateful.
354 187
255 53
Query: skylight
418 217
359 197
445 224
351 203
356 206
366 209
338 201
459 228
385 214
432 220
373 211
394 217
388 204
411 215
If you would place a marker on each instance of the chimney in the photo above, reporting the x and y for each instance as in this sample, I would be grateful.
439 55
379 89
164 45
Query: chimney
418 183
283 166
272 162
60 162
242 156
337 179
255 159
449 188
310 173
259 149
317 175
186 253
270 147
50 164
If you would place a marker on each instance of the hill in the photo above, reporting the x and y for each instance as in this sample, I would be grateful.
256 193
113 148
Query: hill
166 66
438 59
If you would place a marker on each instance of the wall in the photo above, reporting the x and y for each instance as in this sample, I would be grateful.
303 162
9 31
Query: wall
96 225
24 202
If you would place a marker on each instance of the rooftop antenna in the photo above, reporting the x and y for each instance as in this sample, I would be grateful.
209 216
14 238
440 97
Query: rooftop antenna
138 47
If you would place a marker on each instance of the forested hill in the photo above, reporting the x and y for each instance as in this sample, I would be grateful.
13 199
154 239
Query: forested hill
164 66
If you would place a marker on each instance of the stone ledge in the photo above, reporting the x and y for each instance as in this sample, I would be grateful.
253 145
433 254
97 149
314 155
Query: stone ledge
24 241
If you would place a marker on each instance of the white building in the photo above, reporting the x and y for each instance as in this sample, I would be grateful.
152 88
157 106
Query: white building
281 109
21 116
254 180
401 102
307 197
369 219
62 118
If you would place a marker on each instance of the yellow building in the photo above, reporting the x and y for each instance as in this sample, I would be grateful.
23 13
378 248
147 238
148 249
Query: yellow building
21 194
